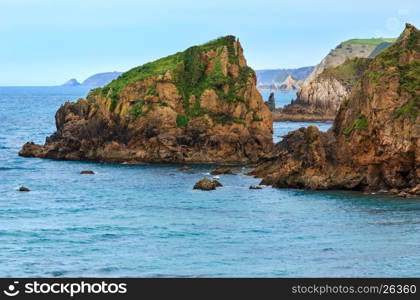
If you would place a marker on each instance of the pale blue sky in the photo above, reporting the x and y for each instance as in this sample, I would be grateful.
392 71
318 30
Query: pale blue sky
46 42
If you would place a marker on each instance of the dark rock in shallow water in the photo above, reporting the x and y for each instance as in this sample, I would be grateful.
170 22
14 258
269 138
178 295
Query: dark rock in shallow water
255 187
219 171
217 183
87 172
184 168
206 184
23 189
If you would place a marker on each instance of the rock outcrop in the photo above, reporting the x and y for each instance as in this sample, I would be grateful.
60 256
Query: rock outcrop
374 143
289 84
320 99
206 184
271 79
200 105
331 81
71 82
271 102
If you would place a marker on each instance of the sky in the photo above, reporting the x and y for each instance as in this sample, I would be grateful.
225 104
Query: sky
47 42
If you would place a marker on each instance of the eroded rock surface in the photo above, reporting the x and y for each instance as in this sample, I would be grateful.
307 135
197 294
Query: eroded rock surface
374 142
200 105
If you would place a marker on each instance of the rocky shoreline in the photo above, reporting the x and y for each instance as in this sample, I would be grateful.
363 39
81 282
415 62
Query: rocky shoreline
374 142
202 106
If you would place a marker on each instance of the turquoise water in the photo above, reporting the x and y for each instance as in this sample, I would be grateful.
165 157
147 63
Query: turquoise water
146 220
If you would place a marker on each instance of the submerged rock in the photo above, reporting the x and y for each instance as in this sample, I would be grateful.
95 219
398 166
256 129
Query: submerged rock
206 184
200 105
184 168
220 171
255 187
87 172
23 189
374 142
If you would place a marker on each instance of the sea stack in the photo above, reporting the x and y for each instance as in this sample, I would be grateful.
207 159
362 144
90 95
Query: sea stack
374 142
199 105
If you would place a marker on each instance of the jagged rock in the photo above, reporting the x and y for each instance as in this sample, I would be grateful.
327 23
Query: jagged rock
255 187
90 172
23 189
200 105
271 103
206 184
219 171
373 143
289 84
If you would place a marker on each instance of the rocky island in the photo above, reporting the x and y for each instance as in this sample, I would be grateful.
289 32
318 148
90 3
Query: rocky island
199 105
374 142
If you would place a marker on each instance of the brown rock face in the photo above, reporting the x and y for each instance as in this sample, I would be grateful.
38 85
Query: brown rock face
200 105
374 142
206 184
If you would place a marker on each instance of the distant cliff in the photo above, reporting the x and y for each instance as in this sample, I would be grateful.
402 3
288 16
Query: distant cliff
71 82
374 143
97 80
272 79
332 80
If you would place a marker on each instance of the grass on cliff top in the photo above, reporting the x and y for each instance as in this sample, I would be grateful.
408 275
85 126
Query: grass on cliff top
372 41
162 65
348 72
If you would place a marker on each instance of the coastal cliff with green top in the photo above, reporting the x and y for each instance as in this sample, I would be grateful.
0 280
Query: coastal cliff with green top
374 143
199 105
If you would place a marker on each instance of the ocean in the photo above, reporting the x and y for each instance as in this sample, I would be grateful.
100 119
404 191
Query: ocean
147 221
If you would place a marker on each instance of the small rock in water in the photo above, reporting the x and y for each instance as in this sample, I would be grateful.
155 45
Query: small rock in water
184 168
255 187
87 172
24 189
206 184
219 171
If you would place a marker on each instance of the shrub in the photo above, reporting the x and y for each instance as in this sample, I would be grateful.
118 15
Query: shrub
182 121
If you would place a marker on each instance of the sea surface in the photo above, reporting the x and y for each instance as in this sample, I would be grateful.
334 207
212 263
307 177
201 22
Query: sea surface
147 221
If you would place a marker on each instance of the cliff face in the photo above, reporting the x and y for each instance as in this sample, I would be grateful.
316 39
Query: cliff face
200 105
332 80
348 50
374 142
322 96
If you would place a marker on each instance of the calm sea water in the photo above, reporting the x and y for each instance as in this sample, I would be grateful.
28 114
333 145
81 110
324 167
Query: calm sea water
146 220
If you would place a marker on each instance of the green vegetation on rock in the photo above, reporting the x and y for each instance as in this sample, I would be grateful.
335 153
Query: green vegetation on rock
188 69
361 123
410 109
348 72
372 41
182 121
